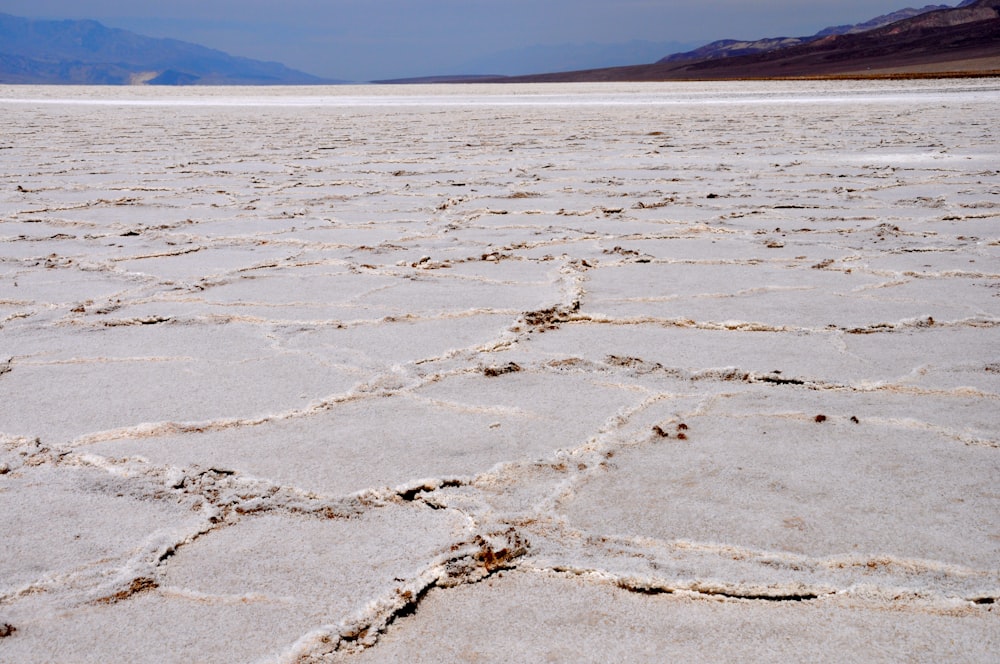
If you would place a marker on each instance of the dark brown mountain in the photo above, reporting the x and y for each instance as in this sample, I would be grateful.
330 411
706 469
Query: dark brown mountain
728 48
958 40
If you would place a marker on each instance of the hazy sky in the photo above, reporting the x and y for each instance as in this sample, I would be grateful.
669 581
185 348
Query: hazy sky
372 39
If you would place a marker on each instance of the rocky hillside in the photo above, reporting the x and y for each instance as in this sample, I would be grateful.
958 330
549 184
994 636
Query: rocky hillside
728 48
963 39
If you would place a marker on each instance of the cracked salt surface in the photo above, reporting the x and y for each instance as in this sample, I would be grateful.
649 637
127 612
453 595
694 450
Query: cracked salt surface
580 373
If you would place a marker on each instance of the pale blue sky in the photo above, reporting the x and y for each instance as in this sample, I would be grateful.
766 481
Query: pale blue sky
373 39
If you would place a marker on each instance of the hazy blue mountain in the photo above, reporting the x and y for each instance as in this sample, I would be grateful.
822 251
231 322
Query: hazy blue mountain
87 52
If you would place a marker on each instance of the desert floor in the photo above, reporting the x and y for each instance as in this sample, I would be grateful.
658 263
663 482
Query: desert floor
551 373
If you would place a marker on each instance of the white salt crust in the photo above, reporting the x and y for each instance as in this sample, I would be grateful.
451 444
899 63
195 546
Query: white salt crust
498 373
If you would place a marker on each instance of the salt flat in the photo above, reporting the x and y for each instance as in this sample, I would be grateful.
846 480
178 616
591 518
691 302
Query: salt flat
474 373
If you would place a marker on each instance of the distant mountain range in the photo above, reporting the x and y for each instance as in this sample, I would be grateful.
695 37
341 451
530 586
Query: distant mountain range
87 52
935 40
728 48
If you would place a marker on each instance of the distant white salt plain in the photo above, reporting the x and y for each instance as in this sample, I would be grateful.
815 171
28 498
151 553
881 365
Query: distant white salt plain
493 373
551 94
